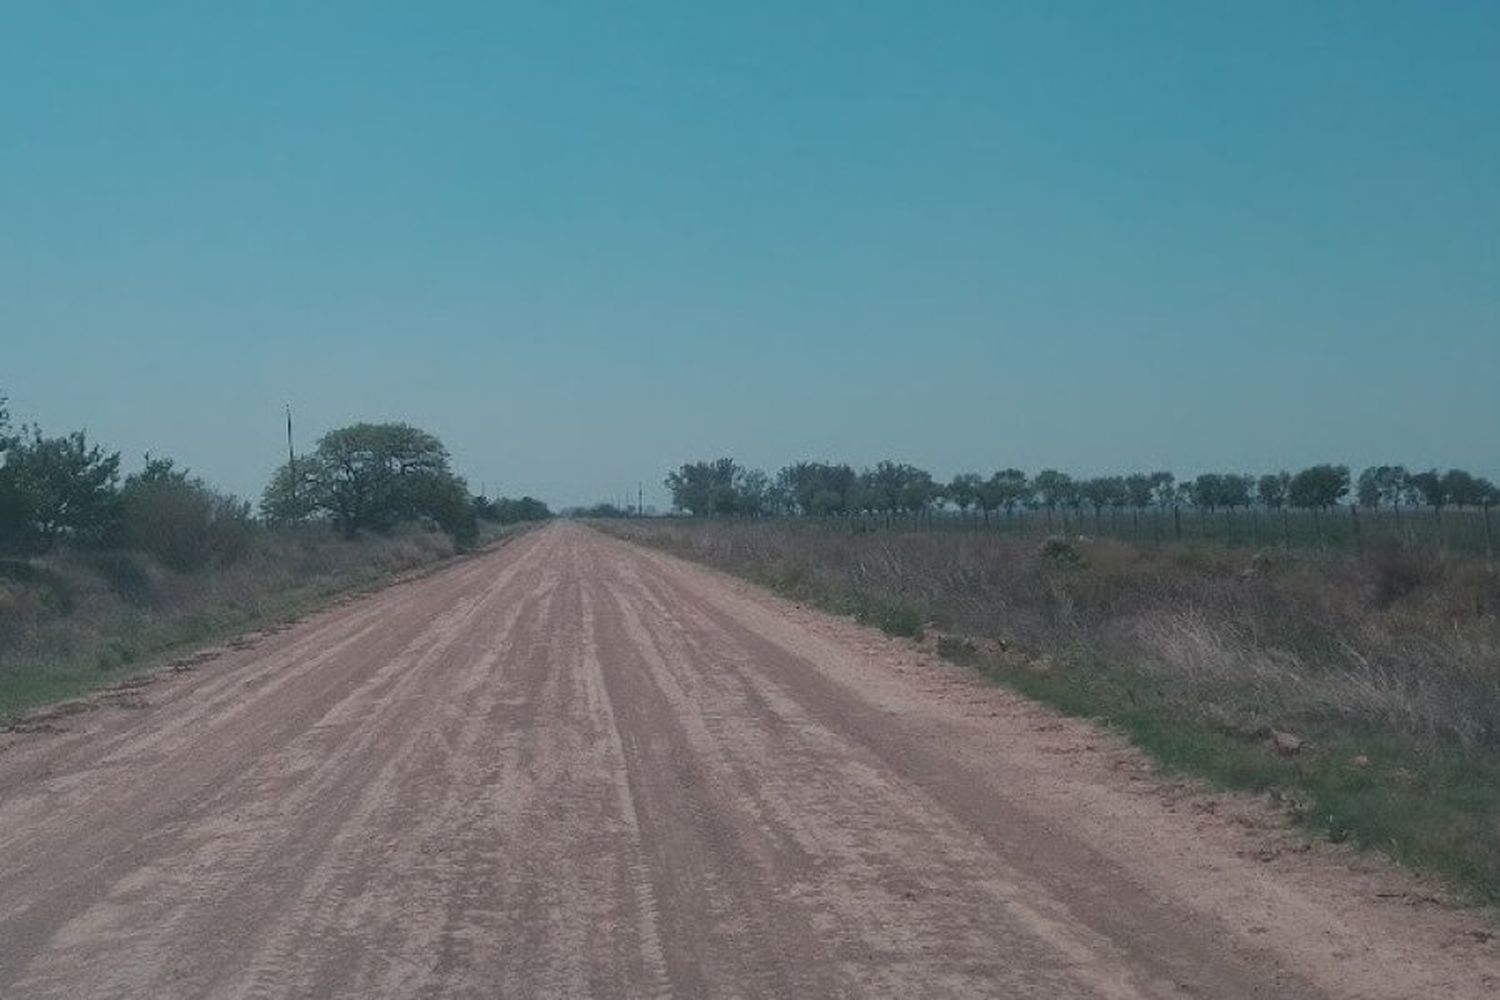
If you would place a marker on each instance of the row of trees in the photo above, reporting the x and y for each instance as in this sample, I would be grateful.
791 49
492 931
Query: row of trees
365 477
814 489
64 487
504 510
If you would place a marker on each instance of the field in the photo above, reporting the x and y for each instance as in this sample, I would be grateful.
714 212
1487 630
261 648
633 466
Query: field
1361 687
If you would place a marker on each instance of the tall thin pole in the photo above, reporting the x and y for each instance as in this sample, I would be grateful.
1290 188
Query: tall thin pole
640 502
291 455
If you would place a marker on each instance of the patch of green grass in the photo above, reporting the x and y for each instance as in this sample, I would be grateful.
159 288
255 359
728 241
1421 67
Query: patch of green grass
891 616
1432 807
146 647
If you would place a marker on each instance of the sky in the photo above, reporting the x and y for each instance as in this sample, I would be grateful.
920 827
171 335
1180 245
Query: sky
584 243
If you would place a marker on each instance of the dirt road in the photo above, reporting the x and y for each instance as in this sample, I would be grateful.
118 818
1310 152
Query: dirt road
573 768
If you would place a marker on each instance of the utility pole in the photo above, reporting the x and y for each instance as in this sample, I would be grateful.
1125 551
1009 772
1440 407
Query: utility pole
640 505
291 456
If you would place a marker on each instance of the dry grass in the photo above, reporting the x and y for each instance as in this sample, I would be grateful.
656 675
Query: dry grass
75 620
1385 666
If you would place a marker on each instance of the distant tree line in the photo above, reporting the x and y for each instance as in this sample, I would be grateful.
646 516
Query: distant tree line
504 510
605 509
365 477
721 487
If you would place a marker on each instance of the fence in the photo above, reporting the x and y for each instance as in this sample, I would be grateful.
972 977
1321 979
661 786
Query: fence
1345 527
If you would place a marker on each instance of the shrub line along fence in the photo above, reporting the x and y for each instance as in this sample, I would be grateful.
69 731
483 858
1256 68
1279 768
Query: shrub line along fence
1319 506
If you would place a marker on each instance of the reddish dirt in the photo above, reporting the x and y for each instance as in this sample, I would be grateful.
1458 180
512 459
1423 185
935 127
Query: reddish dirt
574 768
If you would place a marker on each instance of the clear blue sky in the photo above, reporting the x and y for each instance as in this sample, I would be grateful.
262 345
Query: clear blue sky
582 242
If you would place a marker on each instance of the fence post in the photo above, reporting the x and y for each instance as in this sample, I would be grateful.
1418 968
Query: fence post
1489 538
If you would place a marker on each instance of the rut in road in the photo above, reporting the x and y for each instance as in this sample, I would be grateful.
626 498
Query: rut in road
573 768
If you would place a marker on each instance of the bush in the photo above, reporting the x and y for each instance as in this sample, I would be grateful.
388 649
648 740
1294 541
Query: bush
1398 568
184 523
1060 550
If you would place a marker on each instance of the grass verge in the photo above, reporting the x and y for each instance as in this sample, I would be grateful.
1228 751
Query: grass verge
1361 692
98 630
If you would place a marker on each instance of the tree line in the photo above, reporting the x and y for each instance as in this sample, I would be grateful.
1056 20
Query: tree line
64 488
722 487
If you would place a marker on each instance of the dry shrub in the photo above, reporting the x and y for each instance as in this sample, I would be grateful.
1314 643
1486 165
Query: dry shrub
67 603
1398 568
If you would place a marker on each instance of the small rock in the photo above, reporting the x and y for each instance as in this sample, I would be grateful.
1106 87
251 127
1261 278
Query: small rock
1360 760
1286 744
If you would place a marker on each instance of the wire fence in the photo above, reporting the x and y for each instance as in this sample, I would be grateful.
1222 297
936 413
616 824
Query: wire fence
1354 528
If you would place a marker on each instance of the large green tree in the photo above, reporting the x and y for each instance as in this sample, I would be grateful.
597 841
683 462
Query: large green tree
371 477
1319 487
706 488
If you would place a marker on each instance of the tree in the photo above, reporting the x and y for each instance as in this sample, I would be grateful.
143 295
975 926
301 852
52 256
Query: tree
917 491
1101 492
1006 490
1051 488
1207 491
179 519
372 477
1272 489
1383 484
1486 494
705 488
1367 487
1164 488
818 489
294 494
1139 488
52 488
1319 487
1462 488
1236 490
504 510
1431 488
896 486
752 493
964 490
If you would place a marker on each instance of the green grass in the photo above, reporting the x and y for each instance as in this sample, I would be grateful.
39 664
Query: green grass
1431 807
